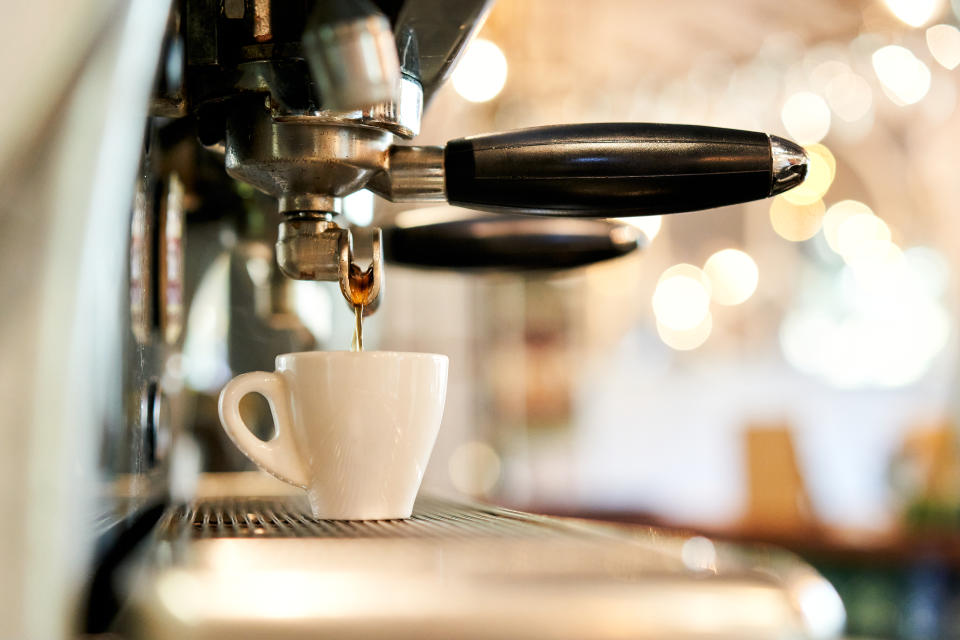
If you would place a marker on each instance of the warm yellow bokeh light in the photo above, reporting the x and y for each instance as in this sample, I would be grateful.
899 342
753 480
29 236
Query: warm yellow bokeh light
913 12
481 73
686 269
836 215
806 117
904 77
680 302
733 276
687 339
821 169
943 40
823 152
796 222
863 236
649 225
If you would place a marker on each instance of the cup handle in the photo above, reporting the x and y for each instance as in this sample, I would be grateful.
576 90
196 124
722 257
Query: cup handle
277 456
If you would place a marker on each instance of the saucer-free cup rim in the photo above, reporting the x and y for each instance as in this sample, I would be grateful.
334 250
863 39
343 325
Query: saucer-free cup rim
393 355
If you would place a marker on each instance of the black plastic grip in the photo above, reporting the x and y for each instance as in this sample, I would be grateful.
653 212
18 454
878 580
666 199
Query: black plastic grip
602 170
506 242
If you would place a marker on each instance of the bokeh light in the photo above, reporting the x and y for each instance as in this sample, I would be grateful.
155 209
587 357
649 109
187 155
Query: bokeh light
806 117
680 301
849 95
733 276
913 12
836 215
863 236
689 339
943 40
796 223
699 554
688 270
821 170
481 73
474 468
904 77
929 270
879 322
649 225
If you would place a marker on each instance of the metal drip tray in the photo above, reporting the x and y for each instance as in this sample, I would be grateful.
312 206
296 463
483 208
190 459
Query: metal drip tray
289 517
262 567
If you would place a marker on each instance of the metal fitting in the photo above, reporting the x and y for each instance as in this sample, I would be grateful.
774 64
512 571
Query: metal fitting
309 247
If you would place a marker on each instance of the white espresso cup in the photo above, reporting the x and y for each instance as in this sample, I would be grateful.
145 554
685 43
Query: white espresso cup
353 429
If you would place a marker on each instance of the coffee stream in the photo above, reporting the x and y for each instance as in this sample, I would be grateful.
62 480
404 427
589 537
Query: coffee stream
357 343
360 284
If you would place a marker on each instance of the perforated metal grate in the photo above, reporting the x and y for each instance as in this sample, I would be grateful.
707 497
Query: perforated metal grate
289 517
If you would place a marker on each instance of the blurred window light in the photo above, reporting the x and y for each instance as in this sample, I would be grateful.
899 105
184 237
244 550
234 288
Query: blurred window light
928 270
311 301
806 117
358 207
796 223
904 77
836 215
205 347
649 225
733 276
474 468
681 302
849 95
944 43
802 339
821 169
688 339
876 325
914 12
481 73
880 267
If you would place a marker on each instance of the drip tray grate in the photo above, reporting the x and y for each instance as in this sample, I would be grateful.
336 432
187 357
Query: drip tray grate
290 517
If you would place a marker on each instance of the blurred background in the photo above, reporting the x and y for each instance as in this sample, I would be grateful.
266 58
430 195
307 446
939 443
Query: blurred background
783 371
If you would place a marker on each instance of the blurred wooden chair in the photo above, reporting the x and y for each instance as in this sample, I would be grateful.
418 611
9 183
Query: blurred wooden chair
777 500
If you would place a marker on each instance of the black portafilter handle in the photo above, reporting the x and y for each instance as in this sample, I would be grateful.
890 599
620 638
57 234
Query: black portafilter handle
611 169
583 171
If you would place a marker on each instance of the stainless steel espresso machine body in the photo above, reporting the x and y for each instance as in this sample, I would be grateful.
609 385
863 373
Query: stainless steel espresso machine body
174 118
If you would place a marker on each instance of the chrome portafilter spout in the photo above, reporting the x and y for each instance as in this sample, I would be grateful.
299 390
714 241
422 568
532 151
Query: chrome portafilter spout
312 247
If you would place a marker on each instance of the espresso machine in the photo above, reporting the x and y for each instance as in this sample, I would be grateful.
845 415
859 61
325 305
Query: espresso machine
158 117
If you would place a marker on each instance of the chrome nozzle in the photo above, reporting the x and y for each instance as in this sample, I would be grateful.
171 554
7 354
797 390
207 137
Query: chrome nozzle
788 165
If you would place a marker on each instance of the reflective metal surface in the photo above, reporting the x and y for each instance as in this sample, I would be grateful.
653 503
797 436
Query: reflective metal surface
72 370
789 162
352 54
263 567
313 248
291 158
412 174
